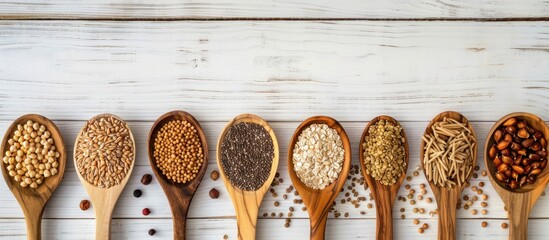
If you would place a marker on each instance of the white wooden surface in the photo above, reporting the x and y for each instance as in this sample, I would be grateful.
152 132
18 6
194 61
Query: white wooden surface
69 62
296 9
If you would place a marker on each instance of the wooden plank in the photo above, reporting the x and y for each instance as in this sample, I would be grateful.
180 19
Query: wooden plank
399 9
268 229
283 71
65 201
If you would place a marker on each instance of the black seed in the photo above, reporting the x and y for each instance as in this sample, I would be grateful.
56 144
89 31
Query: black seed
137 193
247 153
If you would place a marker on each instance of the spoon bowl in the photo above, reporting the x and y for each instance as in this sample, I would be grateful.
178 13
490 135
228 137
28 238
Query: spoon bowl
384 196
317 201
447 198
179 195
246 203
33 200
104 199
519 202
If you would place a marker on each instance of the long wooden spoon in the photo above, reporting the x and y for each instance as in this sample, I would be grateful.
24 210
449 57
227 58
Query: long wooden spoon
447 198
384 196
179 194
104 199
519 202
317 201
33 201
246 203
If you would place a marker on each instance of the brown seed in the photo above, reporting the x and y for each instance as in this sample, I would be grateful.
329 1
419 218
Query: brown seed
502 145
484 224
214 194
420 230
276 203
146 179
425 226
498 134
504 225
84 205
416 221
214 175
510 121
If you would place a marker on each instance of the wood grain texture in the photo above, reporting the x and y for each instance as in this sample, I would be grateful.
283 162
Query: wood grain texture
268 229
519 202
33 201
169 9
247 203
179 195
384 196
318 201
104 199
283 71
446 198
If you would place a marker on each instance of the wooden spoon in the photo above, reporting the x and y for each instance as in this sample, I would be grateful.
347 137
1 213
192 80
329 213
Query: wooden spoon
104 199
33 201
179 194
519 202
447 198
384 196
317 201
246 203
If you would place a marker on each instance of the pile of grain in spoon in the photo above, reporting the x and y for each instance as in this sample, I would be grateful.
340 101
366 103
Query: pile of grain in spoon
448 155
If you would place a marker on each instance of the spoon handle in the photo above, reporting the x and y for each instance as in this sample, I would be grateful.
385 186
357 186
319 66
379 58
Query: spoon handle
447 204
34 226
519 207
246 216
103 214
384 216
179 214
318 227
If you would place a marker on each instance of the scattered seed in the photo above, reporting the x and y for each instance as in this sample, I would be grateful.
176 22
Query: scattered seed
146 179
146 211
84 205
152 232
214 175
137 193
214 194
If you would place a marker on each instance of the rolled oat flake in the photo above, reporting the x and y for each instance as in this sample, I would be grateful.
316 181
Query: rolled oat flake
247 153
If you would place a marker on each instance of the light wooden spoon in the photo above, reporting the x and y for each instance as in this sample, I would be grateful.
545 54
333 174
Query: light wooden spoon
447 198
384 196
104 199
246 203
519 202
179 195
33 201
317 201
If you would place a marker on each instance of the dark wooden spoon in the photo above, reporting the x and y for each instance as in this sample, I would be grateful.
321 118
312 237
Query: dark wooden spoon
317 201
179 194
384 196
33 201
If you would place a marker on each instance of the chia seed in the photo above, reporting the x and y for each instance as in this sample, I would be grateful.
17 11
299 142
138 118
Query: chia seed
247 153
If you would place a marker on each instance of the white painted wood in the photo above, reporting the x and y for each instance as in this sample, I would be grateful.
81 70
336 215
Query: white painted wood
272 9
283 71
267 229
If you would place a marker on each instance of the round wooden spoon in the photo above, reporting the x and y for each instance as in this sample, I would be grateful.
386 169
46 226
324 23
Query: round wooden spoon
246 203
384 196
447 198
179 194
104 199
519 202
317 201
33 201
